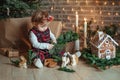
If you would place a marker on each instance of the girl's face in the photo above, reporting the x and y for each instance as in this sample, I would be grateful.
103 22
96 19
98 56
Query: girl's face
44 23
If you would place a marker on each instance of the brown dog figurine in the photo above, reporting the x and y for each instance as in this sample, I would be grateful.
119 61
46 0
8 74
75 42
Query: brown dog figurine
23 62
50 63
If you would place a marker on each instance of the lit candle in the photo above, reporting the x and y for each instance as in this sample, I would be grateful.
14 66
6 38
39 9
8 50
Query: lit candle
85 27
76 19
85 33
77 42
76 28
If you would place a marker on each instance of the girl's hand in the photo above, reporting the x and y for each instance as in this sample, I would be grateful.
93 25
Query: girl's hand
50 46
54 41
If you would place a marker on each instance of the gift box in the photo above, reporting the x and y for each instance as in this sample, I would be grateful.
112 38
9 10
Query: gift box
3 51
13 53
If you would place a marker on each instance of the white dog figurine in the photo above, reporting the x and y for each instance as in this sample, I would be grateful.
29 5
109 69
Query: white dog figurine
73 59
65 60
68 58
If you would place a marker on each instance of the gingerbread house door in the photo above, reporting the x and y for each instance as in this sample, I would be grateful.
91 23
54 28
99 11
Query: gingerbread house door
108 54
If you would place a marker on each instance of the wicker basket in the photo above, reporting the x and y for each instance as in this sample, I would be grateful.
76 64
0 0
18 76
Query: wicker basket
70 47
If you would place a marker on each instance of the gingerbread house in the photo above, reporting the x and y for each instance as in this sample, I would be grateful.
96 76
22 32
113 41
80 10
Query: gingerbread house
103 45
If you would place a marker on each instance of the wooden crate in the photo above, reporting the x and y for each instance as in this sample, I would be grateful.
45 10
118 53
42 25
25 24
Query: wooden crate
13 53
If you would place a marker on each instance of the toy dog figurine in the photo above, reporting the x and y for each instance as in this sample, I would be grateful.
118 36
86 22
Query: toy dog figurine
65 60
23 62
73 59
68 58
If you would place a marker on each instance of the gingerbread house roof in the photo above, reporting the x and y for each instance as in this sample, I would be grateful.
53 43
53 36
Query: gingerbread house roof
100 38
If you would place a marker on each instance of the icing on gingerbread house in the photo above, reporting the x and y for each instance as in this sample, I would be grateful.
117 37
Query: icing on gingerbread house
103 45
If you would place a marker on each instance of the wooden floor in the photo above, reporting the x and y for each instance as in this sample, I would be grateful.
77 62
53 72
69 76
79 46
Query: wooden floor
83 72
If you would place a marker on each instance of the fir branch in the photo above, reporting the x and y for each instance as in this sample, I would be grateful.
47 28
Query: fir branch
15 62
31 55
66 69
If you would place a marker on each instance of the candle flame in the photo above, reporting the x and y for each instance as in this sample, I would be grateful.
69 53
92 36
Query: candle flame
76 13
68 18
52 8
81 9
95 21
113 3
102 22
67 1
73 26
97 2
85 19
72 9
105 3
116 14
63 9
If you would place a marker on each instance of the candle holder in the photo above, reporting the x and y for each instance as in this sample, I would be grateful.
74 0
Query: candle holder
76 29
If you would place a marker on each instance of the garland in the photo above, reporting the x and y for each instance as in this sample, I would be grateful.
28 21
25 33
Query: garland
101 64
58 48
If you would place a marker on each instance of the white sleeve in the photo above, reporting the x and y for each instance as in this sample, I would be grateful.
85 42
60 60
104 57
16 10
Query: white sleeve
35 43
52 36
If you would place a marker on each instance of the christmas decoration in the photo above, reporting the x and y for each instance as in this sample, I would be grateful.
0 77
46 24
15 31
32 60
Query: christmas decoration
12 53
101 64
19 62
23 62
107 38
65 60
103 45
50 63
68 58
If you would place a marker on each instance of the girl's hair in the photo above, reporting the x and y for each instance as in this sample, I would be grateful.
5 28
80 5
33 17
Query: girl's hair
38 16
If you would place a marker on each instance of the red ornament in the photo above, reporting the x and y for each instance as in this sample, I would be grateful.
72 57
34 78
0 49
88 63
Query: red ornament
50 18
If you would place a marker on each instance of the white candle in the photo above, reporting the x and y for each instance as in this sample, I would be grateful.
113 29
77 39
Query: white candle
77 45
85 27
76 19
85 33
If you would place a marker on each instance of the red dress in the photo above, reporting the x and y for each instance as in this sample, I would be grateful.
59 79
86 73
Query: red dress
42 36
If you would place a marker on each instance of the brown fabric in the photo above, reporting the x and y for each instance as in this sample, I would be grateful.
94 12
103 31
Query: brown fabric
56 28
14 32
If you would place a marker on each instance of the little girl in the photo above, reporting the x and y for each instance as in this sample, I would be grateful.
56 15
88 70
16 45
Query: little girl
40 36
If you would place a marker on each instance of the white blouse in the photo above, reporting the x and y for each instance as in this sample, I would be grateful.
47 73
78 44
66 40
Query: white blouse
39 45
